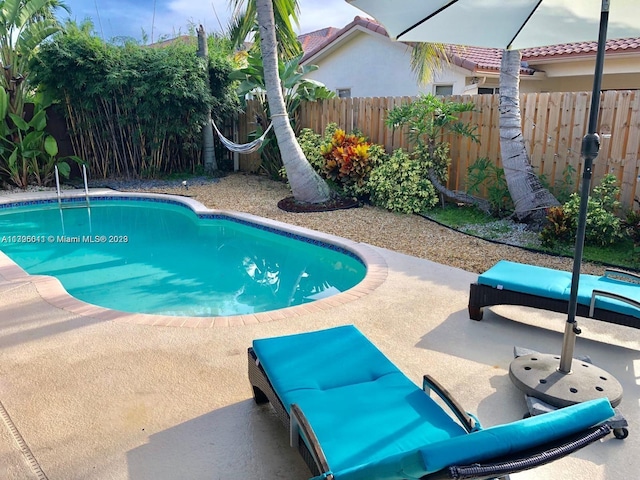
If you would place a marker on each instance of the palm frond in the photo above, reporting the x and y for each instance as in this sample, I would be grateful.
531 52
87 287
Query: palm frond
427 59
286 13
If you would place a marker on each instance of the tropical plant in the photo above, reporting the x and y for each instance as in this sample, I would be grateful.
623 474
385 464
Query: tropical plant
24 26
348 161
483 173
631 226
603 226
428 121
296 89
426 59
558 228
563 188
311 143
400 184
27 152
244 23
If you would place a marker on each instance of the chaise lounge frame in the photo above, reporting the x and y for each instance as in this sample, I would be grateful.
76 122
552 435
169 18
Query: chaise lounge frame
311 450
486 296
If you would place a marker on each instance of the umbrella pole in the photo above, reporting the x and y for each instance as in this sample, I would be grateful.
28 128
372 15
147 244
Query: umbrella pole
536 374
589 152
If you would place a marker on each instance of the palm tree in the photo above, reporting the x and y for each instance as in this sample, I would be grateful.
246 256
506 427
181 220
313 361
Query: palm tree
24 25
306 184
529 197
274 20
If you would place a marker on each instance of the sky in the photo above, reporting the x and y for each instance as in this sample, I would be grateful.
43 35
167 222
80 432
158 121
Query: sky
161 19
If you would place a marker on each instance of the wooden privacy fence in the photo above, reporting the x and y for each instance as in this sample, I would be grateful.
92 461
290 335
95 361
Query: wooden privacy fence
553 127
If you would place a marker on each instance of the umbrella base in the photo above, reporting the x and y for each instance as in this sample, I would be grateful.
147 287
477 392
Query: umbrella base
537 375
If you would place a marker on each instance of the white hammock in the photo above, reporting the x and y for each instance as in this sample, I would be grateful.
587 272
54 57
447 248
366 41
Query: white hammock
244 148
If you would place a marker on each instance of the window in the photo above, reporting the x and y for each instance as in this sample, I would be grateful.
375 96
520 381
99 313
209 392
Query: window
488 90
444 90
344 92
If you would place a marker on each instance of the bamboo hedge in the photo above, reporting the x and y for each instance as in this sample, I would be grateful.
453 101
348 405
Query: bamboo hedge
133 111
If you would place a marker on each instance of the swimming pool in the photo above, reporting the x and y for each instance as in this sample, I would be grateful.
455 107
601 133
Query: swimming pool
156 255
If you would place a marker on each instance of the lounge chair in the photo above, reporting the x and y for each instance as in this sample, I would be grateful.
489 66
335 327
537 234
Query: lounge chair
613 297
354 416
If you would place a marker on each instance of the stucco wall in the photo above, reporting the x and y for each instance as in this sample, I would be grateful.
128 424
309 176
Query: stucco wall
576 75
373 66
585 83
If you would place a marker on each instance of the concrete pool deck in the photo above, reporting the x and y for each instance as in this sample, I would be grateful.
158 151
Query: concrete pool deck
88 398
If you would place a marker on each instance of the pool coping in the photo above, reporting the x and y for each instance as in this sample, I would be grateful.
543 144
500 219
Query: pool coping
52 291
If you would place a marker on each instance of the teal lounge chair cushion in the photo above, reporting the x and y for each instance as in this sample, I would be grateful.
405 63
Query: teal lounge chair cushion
589 283
514 437
540 281
363 410
556 284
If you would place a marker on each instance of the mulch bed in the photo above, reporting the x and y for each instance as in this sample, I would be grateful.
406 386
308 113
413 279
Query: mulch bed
290 204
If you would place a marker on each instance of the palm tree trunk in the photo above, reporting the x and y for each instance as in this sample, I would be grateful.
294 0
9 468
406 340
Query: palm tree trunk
306 184
208 150
529 197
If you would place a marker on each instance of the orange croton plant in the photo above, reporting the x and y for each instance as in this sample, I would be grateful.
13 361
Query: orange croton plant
347 158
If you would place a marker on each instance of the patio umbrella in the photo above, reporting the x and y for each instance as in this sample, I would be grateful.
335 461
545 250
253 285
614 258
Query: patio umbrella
516 24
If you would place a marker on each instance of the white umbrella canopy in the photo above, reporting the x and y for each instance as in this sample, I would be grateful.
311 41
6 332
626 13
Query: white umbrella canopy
507 24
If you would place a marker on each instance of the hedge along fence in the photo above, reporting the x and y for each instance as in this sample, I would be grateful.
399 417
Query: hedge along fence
553 127
132 111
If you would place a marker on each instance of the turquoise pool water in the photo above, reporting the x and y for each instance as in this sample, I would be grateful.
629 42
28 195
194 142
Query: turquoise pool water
161 258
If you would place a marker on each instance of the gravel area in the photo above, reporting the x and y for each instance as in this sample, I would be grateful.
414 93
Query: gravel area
408 234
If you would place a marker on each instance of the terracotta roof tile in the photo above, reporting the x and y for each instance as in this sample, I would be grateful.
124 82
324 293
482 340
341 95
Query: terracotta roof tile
312 40
582 48
480 59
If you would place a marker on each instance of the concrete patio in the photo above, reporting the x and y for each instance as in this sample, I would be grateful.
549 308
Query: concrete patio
87 398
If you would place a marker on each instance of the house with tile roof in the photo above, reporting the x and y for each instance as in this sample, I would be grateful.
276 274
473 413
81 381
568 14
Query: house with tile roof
360 60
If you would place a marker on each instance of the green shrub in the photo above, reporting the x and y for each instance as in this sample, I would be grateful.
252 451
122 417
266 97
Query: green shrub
400 184
483 172
603 226
606 194
133 111
631 226
428 122
348 161
310 142
558 228
344 160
